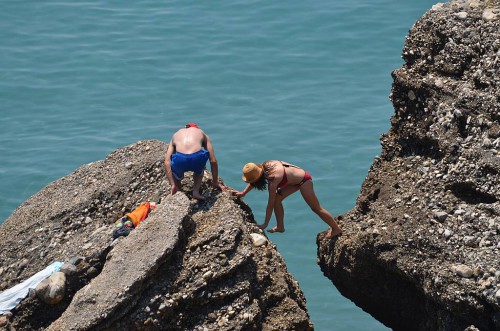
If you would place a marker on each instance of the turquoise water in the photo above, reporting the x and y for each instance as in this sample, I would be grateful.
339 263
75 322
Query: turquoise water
303 81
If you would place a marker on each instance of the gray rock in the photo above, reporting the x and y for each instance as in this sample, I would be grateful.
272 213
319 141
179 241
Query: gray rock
75 260
3 321
207 275
411 95
441 215
439 162
23 264
462 270
68 269
490 14
470 241
113 281
447 233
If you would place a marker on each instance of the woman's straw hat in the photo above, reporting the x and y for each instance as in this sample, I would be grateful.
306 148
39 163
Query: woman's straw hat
252 172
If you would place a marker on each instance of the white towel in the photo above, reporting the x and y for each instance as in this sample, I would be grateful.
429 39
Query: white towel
11 297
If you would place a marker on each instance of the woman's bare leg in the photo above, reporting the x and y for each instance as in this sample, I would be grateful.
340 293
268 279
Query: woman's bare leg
279 211
307 191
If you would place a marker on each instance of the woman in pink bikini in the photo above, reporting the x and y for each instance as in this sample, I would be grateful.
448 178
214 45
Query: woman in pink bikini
281 180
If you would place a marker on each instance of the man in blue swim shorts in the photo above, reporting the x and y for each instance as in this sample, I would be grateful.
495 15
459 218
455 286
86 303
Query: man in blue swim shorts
189 150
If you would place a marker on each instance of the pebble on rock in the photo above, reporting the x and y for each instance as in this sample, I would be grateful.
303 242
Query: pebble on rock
462 270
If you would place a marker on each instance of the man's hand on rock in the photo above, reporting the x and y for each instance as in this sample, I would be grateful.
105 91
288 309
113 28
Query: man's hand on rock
218 186
174 189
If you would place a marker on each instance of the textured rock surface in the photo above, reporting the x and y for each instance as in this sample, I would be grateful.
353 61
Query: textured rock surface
189 266
421 248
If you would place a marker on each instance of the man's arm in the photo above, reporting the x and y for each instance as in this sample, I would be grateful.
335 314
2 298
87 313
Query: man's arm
168 168
214 167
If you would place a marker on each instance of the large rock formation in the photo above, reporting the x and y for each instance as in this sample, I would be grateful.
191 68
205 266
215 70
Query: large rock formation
421 248
189 266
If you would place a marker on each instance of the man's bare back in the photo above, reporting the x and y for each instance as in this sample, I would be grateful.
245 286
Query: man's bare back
188 141
190 147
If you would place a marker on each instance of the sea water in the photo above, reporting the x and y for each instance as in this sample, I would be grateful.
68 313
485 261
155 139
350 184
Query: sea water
302 81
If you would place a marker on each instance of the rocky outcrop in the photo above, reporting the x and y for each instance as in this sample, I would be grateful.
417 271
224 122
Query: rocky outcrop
421 248
189 266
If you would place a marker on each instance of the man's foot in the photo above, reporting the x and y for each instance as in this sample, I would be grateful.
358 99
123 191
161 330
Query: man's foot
198 196
331 234
275 229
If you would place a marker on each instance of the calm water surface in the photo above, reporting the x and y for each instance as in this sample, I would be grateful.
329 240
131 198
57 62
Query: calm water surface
306 82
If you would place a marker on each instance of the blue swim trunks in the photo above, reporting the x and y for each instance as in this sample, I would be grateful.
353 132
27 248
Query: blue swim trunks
195 162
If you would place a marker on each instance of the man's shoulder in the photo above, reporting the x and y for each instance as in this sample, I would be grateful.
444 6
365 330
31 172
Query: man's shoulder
179 132
201 133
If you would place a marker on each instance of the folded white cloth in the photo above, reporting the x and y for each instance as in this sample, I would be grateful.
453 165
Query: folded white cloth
11 297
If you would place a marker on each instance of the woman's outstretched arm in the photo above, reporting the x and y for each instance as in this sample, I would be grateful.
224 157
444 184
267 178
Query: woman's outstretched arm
241 194
270 203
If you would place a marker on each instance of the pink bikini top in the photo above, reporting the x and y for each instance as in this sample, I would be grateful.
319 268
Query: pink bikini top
284 181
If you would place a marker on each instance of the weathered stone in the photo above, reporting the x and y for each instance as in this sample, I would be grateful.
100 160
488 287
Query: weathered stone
68 269
447 233
411 95
75 260
463 270
441 215
3 321
51 290
490 14
207 275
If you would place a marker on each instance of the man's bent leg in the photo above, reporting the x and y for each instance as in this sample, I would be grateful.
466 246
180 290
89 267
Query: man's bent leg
176 187
197 178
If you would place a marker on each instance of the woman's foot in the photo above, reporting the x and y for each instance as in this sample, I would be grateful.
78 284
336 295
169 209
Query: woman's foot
333 234
276 229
